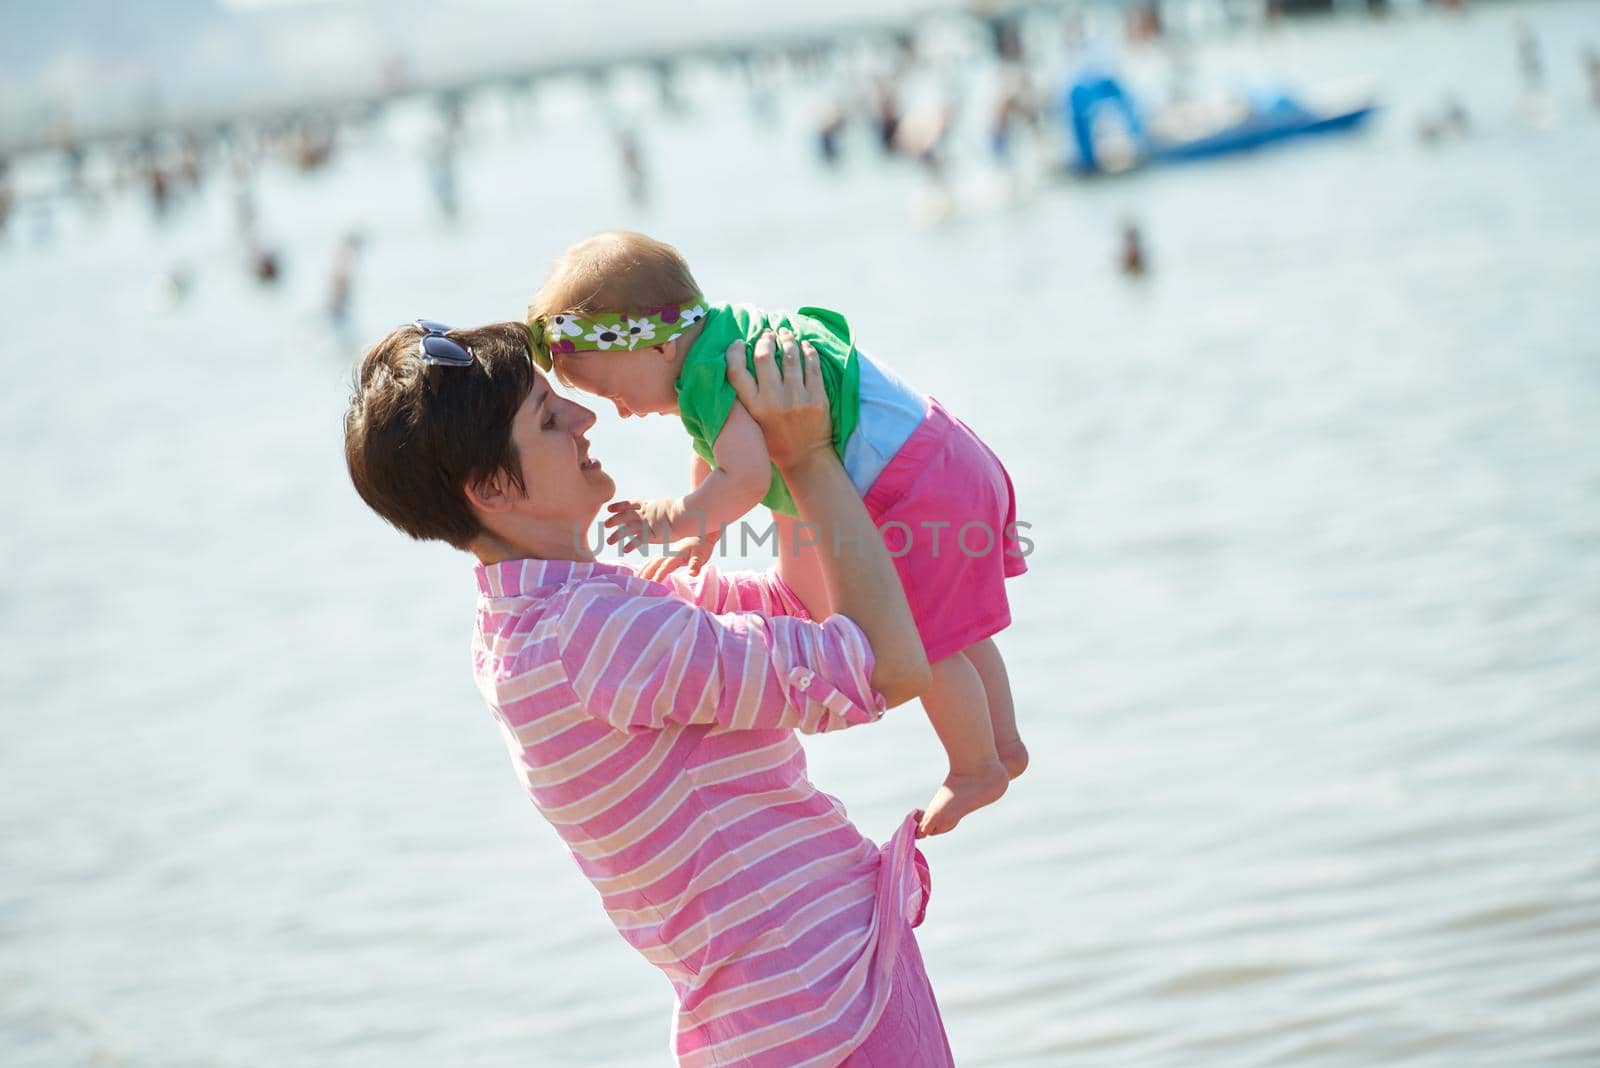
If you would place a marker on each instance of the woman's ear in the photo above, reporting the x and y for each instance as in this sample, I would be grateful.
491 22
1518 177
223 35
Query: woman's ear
491 494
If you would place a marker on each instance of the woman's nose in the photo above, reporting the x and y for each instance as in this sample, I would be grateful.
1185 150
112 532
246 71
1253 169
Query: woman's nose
582 418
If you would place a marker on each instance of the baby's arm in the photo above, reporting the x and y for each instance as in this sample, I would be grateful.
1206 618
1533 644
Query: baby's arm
721 495
698 469
740 479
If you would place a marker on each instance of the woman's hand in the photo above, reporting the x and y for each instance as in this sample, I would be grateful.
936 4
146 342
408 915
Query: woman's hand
791 403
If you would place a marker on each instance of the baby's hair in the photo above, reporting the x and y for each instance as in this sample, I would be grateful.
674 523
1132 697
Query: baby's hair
614 271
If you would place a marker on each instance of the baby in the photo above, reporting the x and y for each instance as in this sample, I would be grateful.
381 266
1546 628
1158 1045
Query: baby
620 316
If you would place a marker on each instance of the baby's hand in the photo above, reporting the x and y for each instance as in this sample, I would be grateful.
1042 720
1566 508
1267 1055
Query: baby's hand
655 522
692 551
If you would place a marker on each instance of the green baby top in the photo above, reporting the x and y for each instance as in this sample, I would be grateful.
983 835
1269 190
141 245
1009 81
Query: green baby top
705 396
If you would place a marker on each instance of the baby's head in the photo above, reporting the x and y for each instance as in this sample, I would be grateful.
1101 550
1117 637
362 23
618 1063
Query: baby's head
615 317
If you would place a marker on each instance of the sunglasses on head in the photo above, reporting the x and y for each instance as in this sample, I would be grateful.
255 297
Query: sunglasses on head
440 351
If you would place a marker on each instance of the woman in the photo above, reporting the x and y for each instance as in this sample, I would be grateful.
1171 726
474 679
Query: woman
653 723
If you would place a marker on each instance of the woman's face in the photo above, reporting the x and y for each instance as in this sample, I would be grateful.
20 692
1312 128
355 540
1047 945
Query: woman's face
563 482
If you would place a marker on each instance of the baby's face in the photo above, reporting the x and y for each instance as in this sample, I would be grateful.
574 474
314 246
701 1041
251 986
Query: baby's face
640 382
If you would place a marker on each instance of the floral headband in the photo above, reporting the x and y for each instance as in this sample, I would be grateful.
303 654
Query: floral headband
610 330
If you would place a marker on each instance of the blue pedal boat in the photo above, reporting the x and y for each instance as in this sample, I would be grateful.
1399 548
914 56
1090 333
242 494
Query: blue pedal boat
1096 102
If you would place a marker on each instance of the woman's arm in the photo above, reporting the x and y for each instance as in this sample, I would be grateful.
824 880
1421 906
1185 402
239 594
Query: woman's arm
791 408
644 663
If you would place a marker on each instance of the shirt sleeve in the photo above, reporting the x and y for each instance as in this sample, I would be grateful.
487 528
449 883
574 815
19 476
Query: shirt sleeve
644 663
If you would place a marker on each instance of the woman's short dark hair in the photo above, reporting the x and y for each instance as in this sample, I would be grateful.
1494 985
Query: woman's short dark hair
416 435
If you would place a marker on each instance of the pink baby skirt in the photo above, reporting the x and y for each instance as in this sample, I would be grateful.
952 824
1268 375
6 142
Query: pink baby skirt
948 514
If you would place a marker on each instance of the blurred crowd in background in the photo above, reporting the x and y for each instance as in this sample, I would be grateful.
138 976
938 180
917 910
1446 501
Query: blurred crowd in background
981 86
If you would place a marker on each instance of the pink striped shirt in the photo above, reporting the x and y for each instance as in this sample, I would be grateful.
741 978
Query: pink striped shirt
653 726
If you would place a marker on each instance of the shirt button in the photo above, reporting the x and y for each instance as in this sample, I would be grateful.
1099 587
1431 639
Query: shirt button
804 678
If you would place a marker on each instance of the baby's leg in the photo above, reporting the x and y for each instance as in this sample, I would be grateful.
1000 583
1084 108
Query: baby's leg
985 656
960 716
799 566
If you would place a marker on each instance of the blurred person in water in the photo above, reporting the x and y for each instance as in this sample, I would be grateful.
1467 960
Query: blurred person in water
620 316
653 721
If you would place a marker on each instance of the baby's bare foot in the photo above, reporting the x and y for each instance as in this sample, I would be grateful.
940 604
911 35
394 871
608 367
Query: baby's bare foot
962 792
1014 755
